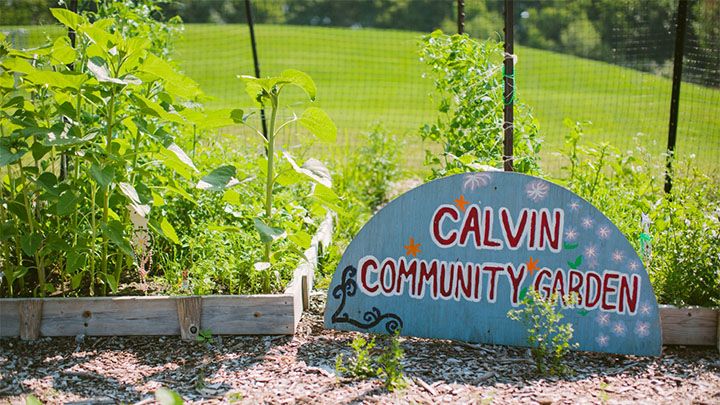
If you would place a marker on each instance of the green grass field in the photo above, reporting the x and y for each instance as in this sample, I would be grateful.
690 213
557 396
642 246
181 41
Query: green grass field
367 76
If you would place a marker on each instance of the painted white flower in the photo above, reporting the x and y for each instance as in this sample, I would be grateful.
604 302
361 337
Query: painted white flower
642 329
602 340
634 265
571 234
591 251
603 318
587 222
619 329
618 256
645 309
574 205
604 232
476 180
537 190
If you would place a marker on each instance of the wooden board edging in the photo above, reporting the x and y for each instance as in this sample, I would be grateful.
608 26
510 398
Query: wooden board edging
694 326
269 314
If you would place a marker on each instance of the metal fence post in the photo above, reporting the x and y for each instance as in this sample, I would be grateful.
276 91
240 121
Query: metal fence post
461 16
509 93
253 44
64 161
680 29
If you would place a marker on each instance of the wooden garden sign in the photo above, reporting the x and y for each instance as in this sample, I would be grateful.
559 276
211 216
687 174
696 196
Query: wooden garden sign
450 258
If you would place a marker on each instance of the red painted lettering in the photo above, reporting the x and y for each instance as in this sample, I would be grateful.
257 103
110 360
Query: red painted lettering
370 265
629 295
471 224
591 301
451 237
514 235
488 241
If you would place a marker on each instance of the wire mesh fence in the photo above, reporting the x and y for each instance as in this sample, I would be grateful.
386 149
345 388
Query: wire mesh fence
609 63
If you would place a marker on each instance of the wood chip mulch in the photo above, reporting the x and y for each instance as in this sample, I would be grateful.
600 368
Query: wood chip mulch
301 369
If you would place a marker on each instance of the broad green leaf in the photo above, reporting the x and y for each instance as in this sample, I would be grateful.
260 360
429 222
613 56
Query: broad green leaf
319 123
62 53
30 243
75 280
175 83
226 228
102 175
301 80
150 107
61 80
219 179
182 156
167 397
66 203
268 233
326 197
237 116
99 69
115 232
169 231
111 281
255 88
75 260
48 181
65 135
67 17
301 238
313 169
8 158
129 191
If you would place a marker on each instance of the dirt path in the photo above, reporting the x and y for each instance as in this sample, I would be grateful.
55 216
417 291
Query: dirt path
300 369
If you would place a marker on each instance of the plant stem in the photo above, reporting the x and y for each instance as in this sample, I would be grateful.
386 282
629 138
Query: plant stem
270 174
6 246
31 219
106 190
93 229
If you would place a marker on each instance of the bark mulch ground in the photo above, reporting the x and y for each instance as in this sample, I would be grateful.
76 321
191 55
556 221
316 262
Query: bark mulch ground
301 369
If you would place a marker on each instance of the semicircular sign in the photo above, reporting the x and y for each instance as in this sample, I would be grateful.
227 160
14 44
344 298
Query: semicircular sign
450 258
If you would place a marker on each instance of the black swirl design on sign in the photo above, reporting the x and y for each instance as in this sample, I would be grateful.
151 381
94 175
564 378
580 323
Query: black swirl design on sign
348 288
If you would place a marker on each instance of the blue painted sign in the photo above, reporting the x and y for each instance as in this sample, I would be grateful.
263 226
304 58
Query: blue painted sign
450 258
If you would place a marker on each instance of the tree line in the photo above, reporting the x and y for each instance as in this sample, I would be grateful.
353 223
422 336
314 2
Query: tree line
635 33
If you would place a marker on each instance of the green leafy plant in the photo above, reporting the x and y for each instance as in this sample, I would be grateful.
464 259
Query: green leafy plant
361 364
548 338
205 336
468 78
386 363
110 106
281 168
678 237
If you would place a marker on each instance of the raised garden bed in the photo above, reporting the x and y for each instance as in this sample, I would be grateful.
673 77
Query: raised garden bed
271 314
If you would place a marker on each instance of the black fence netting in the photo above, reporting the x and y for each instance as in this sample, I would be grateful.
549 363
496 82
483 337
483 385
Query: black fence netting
605 63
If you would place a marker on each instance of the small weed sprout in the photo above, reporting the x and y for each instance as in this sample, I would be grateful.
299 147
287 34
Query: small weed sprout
205 336
386 363
390 364
360 365
548 337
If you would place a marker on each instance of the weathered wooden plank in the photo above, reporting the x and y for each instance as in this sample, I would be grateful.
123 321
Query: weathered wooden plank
689 326
189 311
321 240
110 316
9 317
31 311
295 289
248 314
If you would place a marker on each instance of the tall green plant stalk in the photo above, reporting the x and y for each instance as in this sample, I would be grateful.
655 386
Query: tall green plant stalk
31 224
270 172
